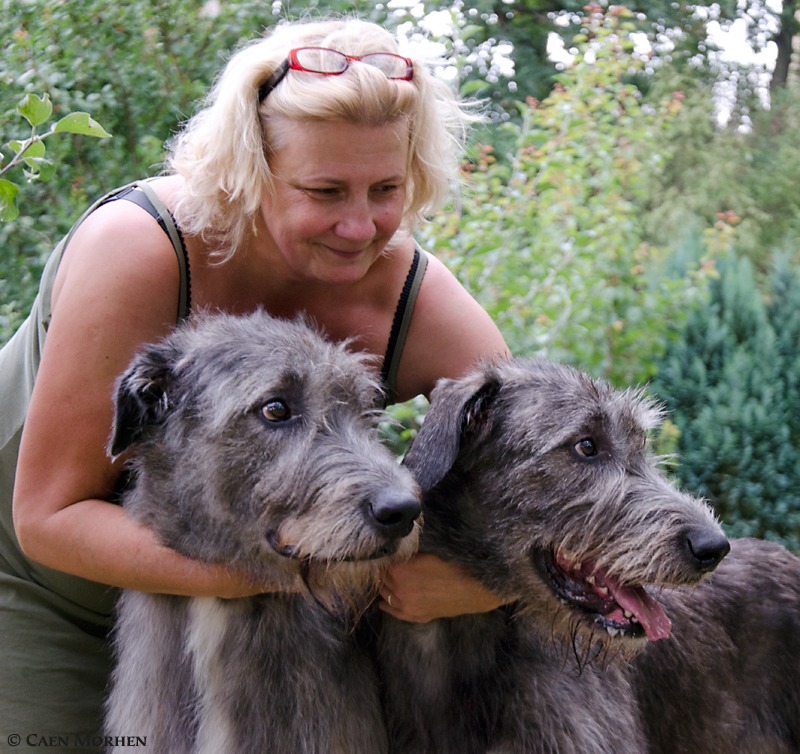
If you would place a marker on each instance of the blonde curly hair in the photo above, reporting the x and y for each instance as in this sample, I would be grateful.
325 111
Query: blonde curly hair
224 151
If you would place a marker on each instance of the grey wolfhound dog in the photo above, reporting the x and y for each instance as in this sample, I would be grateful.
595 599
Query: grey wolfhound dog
537 480
254 443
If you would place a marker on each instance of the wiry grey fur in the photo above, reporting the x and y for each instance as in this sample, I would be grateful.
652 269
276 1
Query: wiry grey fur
305 500
559 669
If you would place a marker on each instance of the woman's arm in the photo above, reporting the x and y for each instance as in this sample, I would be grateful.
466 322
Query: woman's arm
116 289
449 333
426 587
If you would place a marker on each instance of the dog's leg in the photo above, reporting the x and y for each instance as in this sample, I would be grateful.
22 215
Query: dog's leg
209 619
152 692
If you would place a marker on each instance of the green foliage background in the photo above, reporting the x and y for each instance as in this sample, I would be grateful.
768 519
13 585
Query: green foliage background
601 213
732 383
138 68
551 239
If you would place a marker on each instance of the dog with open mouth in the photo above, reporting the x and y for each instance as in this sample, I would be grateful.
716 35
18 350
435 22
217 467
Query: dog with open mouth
538 481
253 442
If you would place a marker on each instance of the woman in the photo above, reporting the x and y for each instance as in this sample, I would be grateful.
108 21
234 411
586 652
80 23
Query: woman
295 190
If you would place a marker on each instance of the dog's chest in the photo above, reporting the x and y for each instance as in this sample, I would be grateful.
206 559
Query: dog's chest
281 673
428 650
452 666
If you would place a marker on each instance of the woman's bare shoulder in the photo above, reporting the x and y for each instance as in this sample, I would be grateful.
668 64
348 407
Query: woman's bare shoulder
449 333
117 288
118 250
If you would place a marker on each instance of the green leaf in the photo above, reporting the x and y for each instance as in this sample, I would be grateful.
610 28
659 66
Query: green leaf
8 210
31 149
34 109
471 30
40 169
539 139
473 86
81 123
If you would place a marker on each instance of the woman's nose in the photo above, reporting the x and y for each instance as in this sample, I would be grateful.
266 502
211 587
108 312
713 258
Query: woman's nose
356 222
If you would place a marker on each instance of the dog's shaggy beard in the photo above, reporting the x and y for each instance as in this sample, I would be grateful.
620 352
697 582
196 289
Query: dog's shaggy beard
575 635
348 587
340 559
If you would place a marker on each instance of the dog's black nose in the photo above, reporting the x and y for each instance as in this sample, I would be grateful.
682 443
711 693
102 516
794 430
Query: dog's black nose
395 512
708 547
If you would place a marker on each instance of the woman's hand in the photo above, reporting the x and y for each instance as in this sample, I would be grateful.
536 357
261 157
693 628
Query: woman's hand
425 588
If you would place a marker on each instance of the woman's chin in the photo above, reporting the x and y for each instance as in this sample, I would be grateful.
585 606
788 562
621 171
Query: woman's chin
342 267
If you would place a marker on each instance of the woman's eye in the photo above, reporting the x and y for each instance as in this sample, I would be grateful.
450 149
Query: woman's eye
586 448
324 193
276 411
387 189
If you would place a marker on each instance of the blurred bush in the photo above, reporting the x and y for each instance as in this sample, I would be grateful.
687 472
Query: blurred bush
138 68
732 385
550 239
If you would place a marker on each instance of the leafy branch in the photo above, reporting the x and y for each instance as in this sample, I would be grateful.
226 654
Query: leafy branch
30 152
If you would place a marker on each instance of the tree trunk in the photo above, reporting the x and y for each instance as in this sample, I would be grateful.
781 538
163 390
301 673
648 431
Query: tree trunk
783 39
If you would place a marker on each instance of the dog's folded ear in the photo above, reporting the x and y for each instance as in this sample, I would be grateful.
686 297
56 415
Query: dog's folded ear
459 411
140 398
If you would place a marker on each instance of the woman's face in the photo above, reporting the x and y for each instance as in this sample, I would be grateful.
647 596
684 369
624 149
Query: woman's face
338 198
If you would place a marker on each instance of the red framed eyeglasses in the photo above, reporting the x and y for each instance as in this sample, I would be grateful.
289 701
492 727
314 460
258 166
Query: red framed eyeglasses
333 63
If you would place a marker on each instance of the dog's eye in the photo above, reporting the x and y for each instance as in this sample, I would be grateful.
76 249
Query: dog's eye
276 411
586 448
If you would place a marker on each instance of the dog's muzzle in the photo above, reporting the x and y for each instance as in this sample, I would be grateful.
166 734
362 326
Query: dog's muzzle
621 610
293 552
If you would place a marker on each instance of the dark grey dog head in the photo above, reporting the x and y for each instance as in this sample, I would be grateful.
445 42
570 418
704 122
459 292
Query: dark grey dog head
253 442
537 479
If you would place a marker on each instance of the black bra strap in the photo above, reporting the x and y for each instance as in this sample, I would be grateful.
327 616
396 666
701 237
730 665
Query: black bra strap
137 195
401 323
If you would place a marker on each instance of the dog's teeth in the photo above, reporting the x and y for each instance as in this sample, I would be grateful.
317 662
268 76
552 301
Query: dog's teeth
590 579
612 631
628 614
568 555
603 590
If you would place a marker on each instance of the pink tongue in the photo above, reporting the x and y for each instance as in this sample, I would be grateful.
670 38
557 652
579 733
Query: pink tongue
647 611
